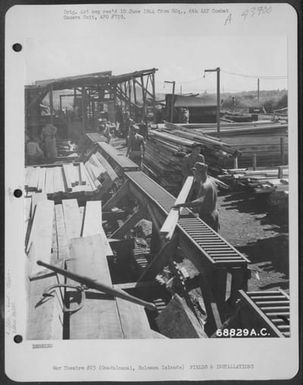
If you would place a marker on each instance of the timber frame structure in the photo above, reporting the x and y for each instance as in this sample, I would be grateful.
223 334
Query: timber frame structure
130 92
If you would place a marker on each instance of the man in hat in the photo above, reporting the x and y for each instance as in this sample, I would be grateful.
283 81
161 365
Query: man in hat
136 147
190 159
48 139
206 200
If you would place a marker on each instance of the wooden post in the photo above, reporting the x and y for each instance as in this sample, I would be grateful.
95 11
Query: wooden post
154 94
218 100
144 98
83 109
282 149
280 172
254 161
236 162
51 104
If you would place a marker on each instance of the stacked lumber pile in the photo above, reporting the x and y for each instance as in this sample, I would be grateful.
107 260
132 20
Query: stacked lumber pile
71 179
273 181
167 147
266 144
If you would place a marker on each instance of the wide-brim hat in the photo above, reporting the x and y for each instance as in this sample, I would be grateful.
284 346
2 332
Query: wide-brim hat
196 144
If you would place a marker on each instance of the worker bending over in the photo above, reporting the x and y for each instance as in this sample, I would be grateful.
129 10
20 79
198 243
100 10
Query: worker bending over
190 159
206 197
136 147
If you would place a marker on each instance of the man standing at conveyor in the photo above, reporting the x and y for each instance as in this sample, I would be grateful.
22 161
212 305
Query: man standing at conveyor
190 159
48 138
206 201
136 147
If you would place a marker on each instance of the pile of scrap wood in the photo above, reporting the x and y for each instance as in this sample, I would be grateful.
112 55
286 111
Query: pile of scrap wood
70 179
273 181
166 148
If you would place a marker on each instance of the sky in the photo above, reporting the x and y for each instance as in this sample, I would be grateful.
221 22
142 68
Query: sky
180 52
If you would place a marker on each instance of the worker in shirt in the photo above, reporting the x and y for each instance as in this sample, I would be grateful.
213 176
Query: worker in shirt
190 159
48 138
34 154
136 147
206 197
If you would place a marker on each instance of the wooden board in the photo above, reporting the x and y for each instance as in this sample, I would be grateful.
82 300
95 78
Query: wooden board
37 197
41 234
82 174
110 171
41 179
92 219
49 180
133 320
67 177
171 221
71 218
99 317
62 239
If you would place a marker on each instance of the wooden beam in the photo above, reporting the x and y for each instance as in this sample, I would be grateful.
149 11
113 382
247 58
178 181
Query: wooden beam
128 224
171 221
67 178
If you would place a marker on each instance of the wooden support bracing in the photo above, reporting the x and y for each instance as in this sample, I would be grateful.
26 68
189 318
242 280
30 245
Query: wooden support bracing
160 260
129 224
121 193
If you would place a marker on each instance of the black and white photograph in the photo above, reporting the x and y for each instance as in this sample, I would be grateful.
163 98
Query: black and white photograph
151 162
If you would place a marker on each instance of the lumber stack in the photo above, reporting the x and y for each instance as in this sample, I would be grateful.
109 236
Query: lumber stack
264 143
68 179
166 149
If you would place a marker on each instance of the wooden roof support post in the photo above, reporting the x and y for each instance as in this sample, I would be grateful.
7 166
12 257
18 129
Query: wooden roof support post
51 104
84 109
143 97
154 93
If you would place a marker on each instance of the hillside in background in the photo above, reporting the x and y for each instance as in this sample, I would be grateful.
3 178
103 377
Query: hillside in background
270 100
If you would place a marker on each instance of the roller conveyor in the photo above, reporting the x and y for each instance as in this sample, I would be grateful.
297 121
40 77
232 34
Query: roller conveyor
216 249
273 307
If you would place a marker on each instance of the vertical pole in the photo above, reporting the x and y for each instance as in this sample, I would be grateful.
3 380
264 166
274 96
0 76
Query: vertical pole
154 96
172 103
235 162
60 103
282 149
84 109
258 91
254 161
144 98
51 104
218 100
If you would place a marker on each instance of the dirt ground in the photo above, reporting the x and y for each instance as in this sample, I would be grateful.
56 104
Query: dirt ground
261 234
257 230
